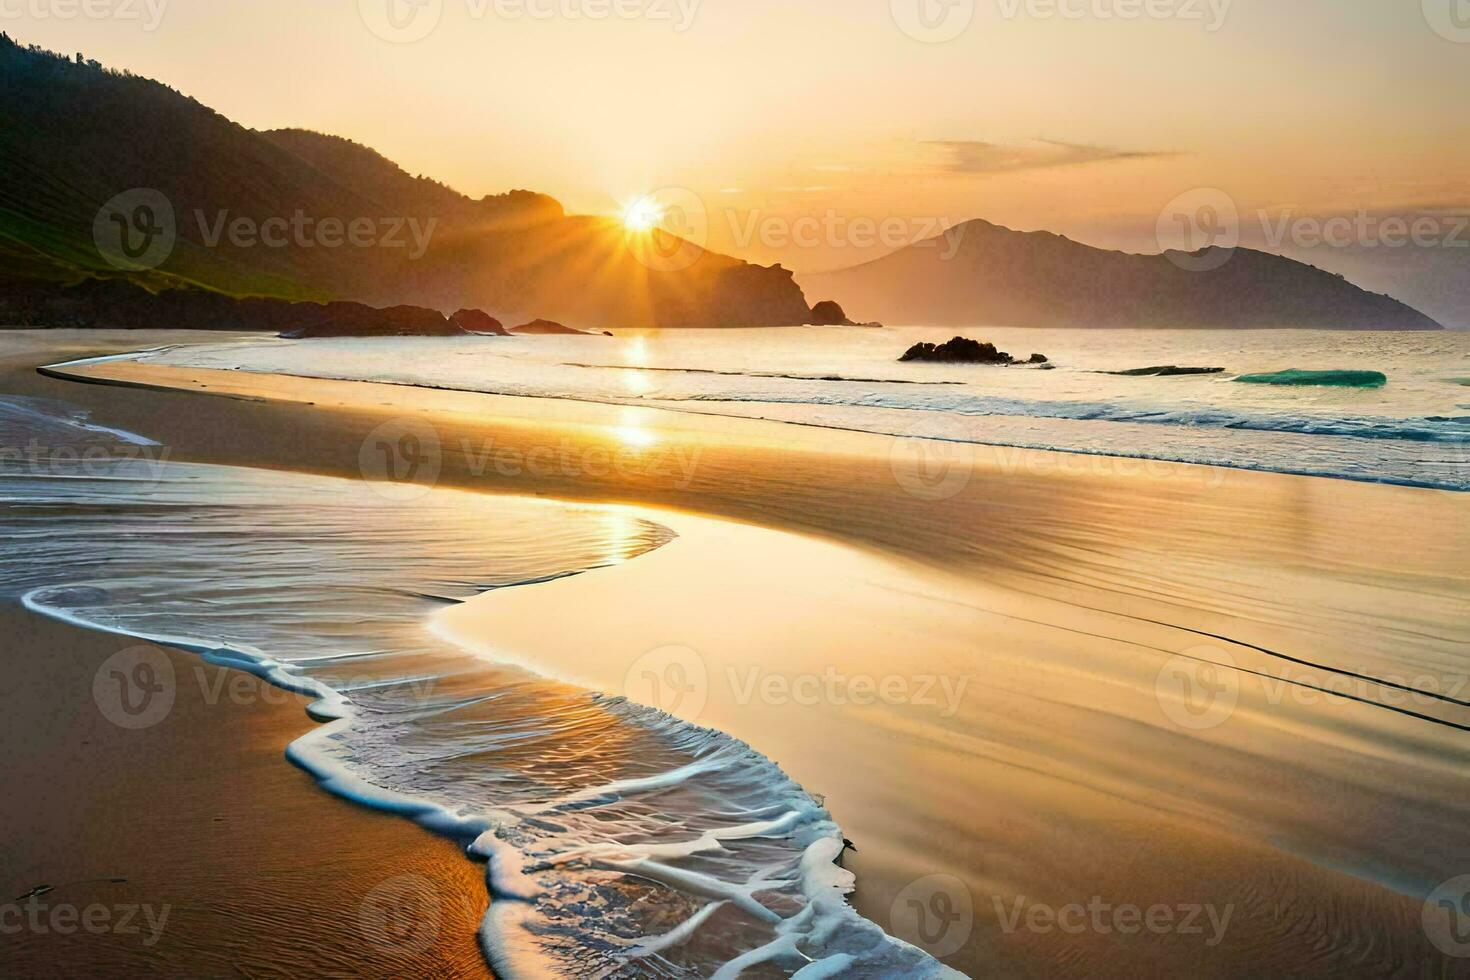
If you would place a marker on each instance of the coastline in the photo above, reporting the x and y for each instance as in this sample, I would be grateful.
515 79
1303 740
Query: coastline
229 856
1017 525
1094 405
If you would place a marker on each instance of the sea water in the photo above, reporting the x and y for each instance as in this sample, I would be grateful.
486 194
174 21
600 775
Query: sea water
1413 429
618 841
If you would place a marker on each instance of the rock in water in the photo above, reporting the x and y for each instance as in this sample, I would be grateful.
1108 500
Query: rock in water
962 350
358 320
480 322
829 314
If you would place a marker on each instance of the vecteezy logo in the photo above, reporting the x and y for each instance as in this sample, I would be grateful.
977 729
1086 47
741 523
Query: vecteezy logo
933 21
1446 917
667 230
134 688
402 913
136 230
936 914
931 469
401 459
1450 19
1199 230
401 21
1199 688
673 679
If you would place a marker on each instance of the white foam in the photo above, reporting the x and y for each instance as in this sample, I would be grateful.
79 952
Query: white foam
677 936
232 569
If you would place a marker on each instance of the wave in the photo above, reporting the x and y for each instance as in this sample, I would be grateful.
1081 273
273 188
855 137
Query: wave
1164 371
1437 429
1445 429
26 419
620 841
763 374
1424 451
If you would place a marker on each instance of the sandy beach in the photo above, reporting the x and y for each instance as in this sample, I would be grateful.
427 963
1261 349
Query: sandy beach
959 508
191 848
1024 684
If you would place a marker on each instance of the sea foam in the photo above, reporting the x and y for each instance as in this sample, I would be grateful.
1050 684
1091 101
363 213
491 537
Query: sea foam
618 840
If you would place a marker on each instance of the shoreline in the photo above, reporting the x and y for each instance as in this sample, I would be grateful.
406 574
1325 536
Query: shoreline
1180 420
237 856
58 372
1033 563
511 891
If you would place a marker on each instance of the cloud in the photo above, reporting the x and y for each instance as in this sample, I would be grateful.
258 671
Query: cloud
970 157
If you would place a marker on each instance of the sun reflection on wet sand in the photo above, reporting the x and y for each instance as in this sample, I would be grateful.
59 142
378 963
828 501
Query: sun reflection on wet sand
636 429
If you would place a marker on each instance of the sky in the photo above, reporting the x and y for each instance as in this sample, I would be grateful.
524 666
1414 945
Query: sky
822 133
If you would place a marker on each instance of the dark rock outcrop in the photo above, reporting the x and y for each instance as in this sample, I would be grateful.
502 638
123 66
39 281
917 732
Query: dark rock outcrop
736 295
479 322
357 320
122 305
829 314
118 304
962 350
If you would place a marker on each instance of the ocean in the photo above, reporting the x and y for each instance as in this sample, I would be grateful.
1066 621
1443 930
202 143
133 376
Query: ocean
612 833
1413 429
621 841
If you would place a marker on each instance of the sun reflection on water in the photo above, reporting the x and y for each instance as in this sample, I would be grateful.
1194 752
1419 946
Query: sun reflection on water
637 382
635 354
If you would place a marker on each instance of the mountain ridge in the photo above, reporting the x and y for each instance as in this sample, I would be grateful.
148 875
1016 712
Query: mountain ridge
999 276
75 135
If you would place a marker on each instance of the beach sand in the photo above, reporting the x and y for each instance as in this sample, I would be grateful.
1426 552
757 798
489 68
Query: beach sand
1074 771
232 862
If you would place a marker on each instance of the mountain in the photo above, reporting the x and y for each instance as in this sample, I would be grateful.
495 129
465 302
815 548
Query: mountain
74 136
997 276
265 213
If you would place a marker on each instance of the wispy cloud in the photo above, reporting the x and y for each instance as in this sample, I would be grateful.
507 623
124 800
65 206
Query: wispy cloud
968 157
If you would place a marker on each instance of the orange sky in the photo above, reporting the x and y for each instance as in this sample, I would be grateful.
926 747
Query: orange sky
801 127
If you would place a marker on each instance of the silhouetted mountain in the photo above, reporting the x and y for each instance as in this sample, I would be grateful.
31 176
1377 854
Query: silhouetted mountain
299 215
347 319
118 304
997 276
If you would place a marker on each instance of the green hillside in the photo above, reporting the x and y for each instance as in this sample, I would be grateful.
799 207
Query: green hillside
74 135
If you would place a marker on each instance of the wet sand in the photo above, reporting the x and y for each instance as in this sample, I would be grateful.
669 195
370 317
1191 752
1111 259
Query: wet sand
1076 769
231 862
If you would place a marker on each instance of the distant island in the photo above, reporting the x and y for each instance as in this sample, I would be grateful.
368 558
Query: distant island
998 276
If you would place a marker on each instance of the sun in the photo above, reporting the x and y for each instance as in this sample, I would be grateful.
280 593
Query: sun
642 215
